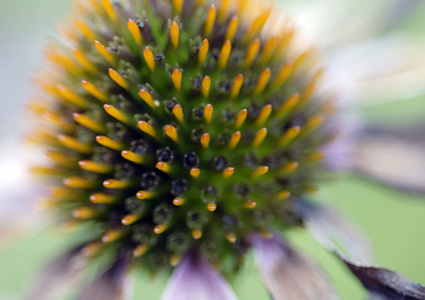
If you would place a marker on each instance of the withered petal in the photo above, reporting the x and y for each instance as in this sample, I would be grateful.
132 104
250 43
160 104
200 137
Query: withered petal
385 284
289 274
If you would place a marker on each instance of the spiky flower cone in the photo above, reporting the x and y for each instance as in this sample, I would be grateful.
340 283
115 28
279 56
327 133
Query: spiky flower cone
178 126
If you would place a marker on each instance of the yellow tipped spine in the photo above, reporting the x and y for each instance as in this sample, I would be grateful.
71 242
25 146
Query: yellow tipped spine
161 228
212 207
116 184
89 123
117 114
147 128
260 171
290 135
115 76
282 76
259 137
234 140
112 235
264 115
178 201
208 112
71 96
194 172
174 34
87 32
176 77
205 140
94 91
84 61
251 53
102 198
206 85
240 119
104 52
289 168
178 6
95 167
73 144
149 59
288 105
133 157
135 32
147 97
237 85
171 132
109 143
143 195
178 112
228 172
262 82
76 182
224 54
162 166
196 234
203 51
110 10
129 219
209 24
313 124
232 28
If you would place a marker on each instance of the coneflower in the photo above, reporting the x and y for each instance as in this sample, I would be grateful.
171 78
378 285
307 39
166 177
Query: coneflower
181 134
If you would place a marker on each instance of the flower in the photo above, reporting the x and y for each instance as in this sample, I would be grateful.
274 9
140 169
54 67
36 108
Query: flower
194 133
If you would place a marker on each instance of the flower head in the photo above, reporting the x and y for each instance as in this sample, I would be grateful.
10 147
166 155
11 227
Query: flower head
180 127
181 134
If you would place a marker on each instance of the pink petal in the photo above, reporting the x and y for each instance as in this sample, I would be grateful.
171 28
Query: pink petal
195 279
288 274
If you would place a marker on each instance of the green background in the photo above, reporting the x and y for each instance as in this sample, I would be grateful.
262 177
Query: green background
395 222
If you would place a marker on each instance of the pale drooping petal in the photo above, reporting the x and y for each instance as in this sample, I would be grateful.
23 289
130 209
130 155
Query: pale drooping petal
58 276
289 274
381 70
114 284
338 152
353 249
195 279
391 160
333 231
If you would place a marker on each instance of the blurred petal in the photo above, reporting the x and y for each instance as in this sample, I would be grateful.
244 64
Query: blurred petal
111 285
58 276
334 231
339 151
392 161
288 274
401 10
195 279
376 71
386 284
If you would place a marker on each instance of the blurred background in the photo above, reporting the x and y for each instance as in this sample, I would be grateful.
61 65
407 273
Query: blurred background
376 57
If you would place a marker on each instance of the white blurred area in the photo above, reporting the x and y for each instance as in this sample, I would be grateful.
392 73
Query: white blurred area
25 27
